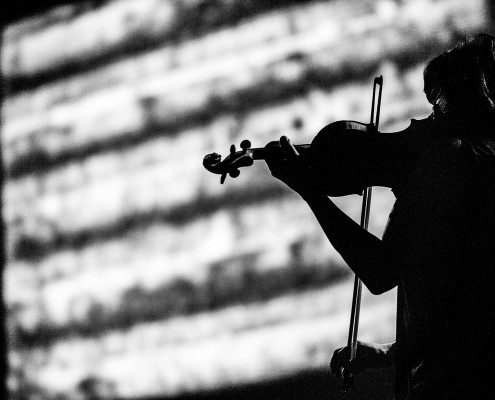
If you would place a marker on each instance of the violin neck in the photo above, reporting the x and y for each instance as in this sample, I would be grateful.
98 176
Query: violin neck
263 152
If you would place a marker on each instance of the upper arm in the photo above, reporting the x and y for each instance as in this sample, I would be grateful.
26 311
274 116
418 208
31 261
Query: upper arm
427 210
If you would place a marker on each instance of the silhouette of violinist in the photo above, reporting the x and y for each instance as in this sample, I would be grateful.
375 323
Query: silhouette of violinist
439 245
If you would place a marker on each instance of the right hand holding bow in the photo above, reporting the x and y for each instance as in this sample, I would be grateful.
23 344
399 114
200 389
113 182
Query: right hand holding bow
368 355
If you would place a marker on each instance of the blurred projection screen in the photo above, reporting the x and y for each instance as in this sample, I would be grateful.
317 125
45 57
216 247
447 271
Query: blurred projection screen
130 270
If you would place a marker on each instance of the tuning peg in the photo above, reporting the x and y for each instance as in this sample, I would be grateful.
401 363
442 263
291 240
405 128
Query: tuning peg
237 160
234 173
245 145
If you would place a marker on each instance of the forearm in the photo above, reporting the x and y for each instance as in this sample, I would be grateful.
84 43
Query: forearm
362 251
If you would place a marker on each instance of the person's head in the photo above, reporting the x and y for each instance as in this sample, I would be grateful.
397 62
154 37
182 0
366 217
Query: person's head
461 81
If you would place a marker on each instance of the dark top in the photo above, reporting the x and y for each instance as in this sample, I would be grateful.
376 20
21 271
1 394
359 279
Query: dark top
441 238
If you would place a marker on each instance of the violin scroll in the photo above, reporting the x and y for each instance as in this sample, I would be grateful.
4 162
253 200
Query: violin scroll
230 165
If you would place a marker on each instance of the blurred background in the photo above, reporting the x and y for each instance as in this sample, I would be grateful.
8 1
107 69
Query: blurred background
130 271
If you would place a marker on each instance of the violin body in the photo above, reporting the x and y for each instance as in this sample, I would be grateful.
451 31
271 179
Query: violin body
337 153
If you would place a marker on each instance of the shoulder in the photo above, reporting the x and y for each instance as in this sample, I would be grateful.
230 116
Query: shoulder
449 153
445 167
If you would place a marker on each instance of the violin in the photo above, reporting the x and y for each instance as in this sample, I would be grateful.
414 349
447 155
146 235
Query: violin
323 154
345 157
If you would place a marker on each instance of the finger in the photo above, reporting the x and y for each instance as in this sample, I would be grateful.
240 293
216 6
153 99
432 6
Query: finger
274 143
288 149
276 167
338 361
272 161
334 364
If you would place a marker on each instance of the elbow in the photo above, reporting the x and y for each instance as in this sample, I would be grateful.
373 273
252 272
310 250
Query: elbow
377 272
379 286
376 289
381 276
